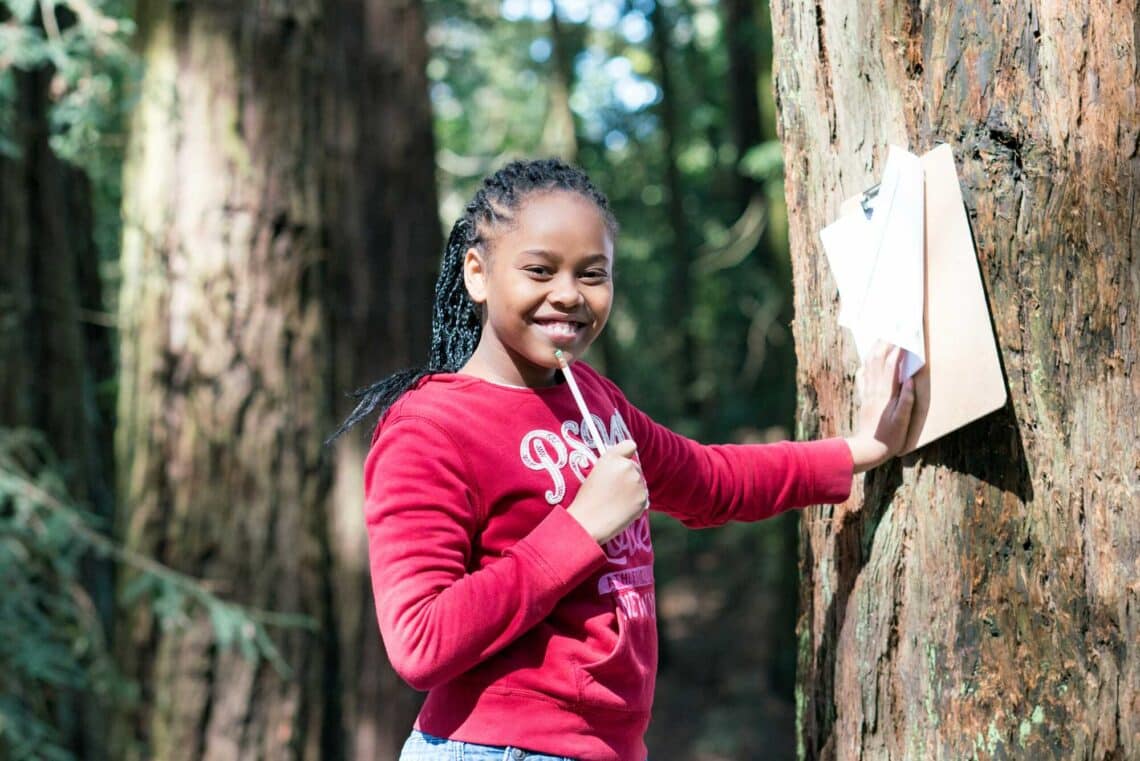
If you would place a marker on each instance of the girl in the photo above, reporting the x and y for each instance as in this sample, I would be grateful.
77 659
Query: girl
509 544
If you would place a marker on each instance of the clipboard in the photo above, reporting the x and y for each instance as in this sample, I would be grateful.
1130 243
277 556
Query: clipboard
962 379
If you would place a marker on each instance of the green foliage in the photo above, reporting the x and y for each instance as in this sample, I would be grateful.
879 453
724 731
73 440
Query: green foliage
764 162
82 46
51 641
491 68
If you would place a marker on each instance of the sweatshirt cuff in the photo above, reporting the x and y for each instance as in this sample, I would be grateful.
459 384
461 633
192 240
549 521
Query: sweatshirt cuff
563 549
832 470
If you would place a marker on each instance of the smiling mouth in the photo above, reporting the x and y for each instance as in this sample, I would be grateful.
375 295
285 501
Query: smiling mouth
561 330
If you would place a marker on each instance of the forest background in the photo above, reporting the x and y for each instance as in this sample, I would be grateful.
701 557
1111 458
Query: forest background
218 217
135 577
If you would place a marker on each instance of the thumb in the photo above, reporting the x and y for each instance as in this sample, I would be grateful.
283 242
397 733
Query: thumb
625 448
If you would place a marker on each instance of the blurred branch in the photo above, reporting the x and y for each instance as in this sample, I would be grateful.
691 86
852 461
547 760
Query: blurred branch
91 17
743 237
760 328
47 15
470 166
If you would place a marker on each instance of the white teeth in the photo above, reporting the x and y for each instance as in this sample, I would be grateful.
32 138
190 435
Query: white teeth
559 328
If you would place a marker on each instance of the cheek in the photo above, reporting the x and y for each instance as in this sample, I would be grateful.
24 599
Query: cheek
601 303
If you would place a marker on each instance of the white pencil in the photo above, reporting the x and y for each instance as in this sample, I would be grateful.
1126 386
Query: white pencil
586 416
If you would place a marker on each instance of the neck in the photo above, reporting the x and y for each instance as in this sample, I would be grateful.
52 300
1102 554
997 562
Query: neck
507 370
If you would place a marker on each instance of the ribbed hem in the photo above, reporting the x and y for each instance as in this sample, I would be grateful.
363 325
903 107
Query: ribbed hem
563 549
495 716
832 470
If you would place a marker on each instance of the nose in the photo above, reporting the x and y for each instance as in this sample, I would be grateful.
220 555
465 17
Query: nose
564 292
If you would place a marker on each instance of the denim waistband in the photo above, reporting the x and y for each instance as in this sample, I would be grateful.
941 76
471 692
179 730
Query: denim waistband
425 747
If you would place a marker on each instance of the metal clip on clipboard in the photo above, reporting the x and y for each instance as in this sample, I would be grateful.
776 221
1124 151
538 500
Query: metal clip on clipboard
868 196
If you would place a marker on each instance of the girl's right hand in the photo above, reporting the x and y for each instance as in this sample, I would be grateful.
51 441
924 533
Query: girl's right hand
613 496
884 410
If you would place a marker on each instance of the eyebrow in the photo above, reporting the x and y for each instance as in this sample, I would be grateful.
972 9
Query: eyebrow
550 256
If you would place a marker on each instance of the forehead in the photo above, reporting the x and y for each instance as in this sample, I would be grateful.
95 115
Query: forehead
557 220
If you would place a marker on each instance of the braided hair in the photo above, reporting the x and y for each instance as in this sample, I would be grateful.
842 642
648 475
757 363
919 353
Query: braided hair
456 323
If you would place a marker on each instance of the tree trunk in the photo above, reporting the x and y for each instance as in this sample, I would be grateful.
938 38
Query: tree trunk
742 38
980 598
383 224
224 390
559 136
683 354
52 355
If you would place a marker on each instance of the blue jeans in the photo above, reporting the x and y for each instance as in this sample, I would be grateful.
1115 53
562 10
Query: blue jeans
421 747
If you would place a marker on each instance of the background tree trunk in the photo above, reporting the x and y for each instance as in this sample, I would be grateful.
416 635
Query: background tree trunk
54 347
981 598
742 46
682 352
383 226
559 136
225 382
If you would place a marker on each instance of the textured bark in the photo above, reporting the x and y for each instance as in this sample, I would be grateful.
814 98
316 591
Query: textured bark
980 598
382 213
224 391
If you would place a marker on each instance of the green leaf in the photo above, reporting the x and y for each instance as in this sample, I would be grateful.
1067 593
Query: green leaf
764 161
22 10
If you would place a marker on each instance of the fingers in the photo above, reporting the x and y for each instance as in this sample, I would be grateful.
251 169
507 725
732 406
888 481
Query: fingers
905 402
896 369
884 358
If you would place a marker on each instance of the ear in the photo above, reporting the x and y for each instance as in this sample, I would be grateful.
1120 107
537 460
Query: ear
475 275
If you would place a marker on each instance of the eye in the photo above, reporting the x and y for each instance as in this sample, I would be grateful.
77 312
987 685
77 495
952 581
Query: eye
595 276
537 270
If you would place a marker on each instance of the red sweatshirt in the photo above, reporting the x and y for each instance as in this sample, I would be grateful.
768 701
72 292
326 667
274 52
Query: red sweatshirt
490 596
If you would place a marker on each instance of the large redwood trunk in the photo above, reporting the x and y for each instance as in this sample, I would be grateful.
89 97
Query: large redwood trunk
282 236
980 598
225 381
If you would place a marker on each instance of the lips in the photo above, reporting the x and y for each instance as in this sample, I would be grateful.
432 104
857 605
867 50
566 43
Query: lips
560 329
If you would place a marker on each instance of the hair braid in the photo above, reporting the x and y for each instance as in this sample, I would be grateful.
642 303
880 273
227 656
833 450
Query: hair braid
456 325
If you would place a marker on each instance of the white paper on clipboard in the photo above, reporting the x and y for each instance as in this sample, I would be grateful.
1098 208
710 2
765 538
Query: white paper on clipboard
875 251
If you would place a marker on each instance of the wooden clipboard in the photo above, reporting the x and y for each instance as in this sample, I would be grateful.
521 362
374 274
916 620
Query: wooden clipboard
962 379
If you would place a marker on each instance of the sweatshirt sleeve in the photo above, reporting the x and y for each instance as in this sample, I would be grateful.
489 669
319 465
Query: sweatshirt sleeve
708 485
437 617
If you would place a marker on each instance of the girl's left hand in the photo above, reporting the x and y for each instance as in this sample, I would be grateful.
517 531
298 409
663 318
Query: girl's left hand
884 411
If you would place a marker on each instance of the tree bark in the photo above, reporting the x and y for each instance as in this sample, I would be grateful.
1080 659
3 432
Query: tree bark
225 382
382 214
980 598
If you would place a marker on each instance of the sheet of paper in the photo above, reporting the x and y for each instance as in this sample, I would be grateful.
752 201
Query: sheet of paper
877 261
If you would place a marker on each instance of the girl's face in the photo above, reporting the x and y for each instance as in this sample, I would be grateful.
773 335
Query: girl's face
545 283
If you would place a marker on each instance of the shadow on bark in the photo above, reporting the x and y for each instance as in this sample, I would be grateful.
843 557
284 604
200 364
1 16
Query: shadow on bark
989 449
853 541
1000 462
